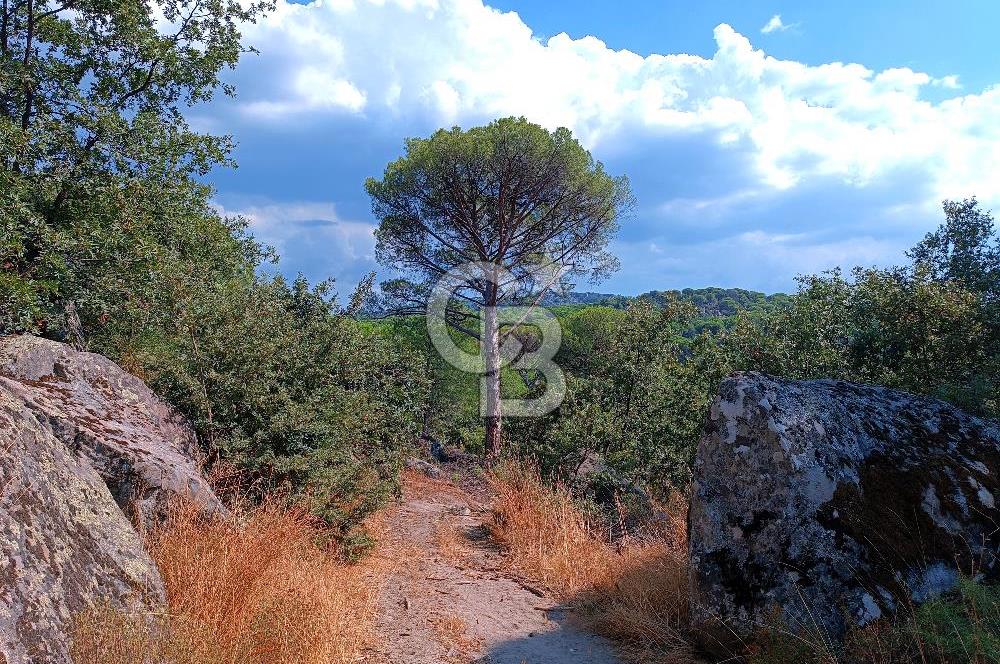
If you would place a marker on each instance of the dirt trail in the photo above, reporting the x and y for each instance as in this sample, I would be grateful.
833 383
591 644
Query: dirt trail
450 599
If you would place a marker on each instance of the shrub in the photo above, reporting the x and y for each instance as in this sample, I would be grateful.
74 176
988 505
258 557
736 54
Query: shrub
254 590
633 590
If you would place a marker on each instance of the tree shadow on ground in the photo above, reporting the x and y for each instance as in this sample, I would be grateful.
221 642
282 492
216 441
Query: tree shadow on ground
566 644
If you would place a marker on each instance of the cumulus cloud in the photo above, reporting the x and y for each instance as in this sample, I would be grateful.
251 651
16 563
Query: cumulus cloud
701 137
311 237
461 61
774 24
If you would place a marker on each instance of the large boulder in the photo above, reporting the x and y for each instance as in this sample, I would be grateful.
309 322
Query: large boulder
66 544
825 504
87 454
145 451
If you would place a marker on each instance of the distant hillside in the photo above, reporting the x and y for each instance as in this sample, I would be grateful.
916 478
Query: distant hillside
711 302
587 298
719 302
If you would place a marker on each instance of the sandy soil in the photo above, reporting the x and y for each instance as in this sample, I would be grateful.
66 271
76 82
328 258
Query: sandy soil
451 599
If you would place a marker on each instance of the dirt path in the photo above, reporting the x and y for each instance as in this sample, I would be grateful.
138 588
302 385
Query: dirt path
450 600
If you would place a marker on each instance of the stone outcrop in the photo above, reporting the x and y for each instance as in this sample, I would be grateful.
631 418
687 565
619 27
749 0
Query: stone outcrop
66 543
825 504
145 451
86 451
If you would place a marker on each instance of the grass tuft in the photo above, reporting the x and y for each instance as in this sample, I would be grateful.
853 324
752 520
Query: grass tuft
633 590
257 589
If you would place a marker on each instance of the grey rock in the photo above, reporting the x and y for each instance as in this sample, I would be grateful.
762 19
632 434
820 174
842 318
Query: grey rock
66 544
145 451
428 469
87 454
828 504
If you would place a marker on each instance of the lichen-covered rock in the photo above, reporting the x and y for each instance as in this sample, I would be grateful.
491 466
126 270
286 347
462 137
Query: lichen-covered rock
826 504
145 451
87 452
65 543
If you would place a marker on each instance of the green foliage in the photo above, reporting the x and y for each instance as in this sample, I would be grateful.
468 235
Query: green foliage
109 240
717 308
719 302
638 392
450 411
930 328
281 381
965 249
97 163
962 628
509 193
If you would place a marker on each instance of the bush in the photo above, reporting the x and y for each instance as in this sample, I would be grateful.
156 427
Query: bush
257 590
637 398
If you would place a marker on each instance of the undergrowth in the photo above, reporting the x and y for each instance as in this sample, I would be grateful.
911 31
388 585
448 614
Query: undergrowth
633 590
257 589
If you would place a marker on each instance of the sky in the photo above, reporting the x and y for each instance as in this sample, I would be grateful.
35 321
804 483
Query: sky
762 140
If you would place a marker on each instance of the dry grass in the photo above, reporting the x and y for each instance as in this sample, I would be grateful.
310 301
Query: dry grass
634 591
417 485
452 633
254 590
451 544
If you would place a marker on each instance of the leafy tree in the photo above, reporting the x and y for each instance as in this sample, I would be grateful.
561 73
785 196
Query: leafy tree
931 327
109 240
913 332
92 135
638 395
965 249
514 199
808 338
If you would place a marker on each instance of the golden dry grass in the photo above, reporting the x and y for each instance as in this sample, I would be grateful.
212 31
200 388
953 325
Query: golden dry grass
634 591
451 544
256 589
417 485
452 633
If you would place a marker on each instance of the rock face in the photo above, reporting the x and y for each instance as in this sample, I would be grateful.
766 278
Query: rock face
83 447
145 451
66 543
825 504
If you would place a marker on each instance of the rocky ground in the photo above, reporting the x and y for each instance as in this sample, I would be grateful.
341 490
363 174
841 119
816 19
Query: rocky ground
452 598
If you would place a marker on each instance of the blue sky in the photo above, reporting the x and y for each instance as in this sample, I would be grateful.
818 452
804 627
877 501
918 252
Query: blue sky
762 139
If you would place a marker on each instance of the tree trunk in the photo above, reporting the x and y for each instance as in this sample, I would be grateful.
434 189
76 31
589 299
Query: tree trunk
74 328
490 392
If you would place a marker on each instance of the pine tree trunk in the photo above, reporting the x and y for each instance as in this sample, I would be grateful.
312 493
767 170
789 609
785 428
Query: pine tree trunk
491 391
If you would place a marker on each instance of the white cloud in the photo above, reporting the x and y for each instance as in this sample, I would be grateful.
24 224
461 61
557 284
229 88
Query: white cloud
305 231
459 61
949 82
753 259
733 151
775 24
